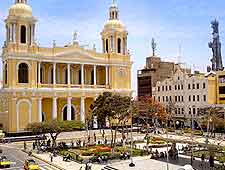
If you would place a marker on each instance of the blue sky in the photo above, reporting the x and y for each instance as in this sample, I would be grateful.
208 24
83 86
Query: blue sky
172 23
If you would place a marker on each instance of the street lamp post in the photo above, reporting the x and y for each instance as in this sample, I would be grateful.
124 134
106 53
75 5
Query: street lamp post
131 147
192 141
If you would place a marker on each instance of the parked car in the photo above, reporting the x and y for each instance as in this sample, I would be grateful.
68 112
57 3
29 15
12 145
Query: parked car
30 164
4 162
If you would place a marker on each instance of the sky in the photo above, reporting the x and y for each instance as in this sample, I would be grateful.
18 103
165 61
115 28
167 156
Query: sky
180 27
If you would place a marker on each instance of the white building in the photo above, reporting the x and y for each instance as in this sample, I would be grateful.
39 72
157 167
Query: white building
187 93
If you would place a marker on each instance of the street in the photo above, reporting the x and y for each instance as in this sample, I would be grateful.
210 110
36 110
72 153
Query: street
17 157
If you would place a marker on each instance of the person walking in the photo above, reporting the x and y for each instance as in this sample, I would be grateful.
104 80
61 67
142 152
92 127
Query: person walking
51 157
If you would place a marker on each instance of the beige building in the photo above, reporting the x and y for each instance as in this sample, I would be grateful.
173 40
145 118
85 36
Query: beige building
154 71
42 84
187 93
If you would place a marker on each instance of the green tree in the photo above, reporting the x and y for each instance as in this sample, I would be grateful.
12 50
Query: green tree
54 128
115 108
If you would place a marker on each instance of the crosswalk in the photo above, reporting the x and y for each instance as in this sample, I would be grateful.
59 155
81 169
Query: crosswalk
48 167
42 167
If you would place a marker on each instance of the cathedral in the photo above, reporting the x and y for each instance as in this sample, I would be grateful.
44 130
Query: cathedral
58 83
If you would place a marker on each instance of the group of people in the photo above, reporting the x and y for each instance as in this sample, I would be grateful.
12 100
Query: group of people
124 155
157 155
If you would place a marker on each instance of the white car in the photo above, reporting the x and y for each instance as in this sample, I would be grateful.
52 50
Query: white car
187 167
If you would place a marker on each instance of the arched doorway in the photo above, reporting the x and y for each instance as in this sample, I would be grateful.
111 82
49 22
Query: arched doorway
64 113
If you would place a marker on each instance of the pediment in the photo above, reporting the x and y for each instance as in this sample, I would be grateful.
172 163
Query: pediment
78 54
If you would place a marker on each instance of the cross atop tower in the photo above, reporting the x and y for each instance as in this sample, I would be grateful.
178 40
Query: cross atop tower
20 1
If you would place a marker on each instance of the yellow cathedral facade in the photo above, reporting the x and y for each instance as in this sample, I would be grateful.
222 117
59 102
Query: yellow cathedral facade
43 84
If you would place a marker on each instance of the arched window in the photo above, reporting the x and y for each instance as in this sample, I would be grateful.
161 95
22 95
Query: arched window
119 45
23 73
23 32
6 74
107 45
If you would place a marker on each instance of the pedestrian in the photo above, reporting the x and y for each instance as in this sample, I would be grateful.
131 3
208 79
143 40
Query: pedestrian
25 145
95 137
103 134
89 139
203 159
33 145
51 157
211 162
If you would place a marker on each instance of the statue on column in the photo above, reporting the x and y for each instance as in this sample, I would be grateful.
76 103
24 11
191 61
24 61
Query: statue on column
215 45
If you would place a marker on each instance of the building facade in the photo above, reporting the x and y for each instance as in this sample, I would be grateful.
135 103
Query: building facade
154 71
43 84
186 93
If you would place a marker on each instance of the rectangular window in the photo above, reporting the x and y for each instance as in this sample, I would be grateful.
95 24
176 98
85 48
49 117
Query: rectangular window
194 111
170 98
198 86
189 110
175 98
175 87
159 99
198 98
203 85
166 88
162 88
204 98
189 98
159 88
170 88
163 98
182 98
179 98
178 87
167 98
193 86
189 86
193 98
182 87
178 110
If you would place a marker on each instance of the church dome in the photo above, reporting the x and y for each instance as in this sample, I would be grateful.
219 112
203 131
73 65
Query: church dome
20 10
114 24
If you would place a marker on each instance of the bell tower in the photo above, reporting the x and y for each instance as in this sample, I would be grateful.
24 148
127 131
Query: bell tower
114 34
20 25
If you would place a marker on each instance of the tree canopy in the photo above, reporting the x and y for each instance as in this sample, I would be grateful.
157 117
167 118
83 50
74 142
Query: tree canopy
54 127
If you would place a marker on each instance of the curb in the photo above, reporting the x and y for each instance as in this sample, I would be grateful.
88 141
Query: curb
43 160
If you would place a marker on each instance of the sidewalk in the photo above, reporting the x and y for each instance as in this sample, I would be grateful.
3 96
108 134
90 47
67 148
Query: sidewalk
58 161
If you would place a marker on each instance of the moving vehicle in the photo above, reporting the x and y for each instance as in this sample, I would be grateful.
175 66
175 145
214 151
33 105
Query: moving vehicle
30 164
4 162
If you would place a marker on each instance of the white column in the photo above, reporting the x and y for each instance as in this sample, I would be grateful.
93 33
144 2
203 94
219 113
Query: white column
54 73
68 74
40 109
39 72
54 108
95 75
82 109
11 32
82 74
107 75
69 116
